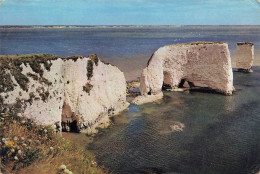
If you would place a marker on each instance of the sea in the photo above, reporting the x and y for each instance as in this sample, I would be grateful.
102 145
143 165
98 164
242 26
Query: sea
128 47
185 132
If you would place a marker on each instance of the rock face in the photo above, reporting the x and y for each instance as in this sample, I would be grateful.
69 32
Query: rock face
245 56
202 64
72 93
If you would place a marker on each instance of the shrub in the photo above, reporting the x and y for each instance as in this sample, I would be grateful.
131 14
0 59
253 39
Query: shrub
33 76
6 83
14 62
89 69
44 95
75 58
44 80
94 58
21 79
29 148
87 87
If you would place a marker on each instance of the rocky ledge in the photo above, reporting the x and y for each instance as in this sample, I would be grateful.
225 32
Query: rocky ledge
73 93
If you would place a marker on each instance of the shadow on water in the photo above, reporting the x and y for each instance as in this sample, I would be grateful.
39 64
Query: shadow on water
187 133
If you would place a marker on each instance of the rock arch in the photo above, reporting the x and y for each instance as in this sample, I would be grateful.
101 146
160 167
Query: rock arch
202 64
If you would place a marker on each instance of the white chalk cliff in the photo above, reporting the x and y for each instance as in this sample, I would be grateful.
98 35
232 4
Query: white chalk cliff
76 92
245 56
202 64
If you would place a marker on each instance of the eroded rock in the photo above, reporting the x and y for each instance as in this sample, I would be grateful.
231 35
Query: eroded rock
245 56
73 93
206 65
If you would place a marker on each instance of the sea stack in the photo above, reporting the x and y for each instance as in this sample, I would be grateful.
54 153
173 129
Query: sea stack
245 56
72 93
202 65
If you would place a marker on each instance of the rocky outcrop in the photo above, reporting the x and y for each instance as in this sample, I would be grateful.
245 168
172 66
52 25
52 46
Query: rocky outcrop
73 93
245 56
142 99
206 65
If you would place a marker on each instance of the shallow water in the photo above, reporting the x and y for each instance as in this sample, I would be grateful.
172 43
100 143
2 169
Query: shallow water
217 133
129 48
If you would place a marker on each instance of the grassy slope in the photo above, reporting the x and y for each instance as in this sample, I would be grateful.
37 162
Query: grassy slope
30 148
26 147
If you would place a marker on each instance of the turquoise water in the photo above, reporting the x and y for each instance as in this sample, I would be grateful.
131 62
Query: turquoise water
129 12
220 134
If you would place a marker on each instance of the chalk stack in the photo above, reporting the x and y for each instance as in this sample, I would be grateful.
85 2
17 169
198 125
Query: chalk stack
245 56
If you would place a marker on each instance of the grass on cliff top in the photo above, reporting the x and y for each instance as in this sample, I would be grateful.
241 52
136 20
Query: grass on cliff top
29 148
42 57
198 43
12 63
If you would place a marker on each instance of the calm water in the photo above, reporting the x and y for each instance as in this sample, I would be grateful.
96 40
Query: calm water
127 47
221 133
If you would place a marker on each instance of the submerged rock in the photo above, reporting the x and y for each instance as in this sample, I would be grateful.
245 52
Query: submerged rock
72 93
206 65
245 56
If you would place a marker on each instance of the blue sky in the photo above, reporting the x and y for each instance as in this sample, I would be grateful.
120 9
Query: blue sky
129 12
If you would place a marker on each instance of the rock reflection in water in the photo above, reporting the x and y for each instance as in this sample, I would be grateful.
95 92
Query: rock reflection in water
220 134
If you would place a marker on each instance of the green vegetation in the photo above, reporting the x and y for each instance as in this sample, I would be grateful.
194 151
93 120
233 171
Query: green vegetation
44 95
74 58
1 100
202 42
94 58
6 83
13 63
33 76
32 96
198 43
245 43
89 69
29 148
21 79
40 79
44 80
87 87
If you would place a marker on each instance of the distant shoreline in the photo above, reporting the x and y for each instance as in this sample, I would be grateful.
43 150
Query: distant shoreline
113 26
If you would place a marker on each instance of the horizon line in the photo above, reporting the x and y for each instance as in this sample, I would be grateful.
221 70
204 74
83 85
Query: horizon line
3 26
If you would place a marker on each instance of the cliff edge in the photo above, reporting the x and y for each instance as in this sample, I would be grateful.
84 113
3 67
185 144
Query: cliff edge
72 93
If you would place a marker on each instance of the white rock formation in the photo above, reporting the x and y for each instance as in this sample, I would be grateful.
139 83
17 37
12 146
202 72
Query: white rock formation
78 92
245 56
201 64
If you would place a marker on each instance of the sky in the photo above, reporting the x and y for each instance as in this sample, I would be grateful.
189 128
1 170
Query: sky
129 12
